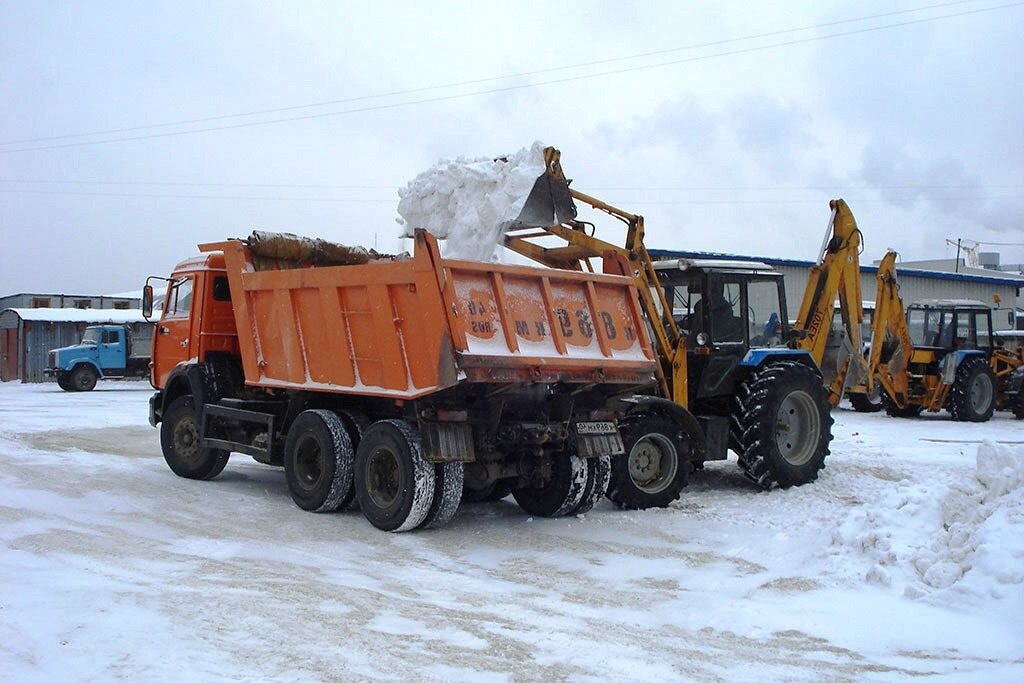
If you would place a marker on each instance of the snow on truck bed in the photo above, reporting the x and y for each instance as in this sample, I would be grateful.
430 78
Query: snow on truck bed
904 561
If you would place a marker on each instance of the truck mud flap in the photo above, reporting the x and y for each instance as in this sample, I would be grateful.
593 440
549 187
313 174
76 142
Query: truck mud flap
447 442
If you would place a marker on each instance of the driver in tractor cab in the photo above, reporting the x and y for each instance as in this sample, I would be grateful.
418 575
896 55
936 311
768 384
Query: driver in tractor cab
725 327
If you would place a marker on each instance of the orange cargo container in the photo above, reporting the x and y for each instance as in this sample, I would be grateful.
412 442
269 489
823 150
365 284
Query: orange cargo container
399 382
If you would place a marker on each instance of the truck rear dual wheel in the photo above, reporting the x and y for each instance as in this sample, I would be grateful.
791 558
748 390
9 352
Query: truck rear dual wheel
783 424
574 486
396 488
180 439
652 472
559 491
318 458
972 396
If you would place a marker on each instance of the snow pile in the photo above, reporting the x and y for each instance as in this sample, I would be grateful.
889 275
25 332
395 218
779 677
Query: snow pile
469 202
970 540
981 546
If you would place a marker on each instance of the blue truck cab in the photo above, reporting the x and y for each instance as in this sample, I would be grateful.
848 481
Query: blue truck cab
106 351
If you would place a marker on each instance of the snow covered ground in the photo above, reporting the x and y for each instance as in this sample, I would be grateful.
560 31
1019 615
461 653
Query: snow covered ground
905 560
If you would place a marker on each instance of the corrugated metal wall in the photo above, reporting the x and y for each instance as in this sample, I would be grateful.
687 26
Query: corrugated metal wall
914 288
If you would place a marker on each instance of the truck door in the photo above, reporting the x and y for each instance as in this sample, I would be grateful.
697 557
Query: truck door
111 350
171 339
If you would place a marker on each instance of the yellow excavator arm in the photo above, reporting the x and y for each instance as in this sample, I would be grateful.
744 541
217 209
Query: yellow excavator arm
836 274
891 346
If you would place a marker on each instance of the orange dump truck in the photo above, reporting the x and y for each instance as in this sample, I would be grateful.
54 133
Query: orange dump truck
401 385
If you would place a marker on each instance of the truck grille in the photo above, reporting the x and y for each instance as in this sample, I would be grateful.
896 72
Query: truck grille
53 359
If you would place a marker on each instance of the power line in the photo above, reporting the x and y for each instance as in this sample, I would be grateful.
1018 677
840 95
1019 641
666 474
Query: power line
394 200
489 79
511 88
278 185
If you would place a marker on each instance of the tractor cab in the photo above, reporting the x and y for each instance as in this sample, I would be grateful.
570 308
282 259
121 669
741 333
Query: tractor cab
942 326
725 309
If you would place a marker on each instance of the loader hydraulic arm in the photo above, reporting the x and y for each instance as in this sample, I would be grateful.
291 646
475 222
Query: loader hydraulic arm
837 273
891 346
552 191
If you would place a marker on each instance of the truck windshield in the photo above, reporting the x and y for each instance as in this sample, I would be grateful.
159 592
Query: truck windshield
92 336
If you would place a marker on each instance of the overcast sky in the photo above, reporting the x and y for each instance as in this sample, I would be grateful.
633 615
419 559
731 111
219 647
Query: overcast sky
728 125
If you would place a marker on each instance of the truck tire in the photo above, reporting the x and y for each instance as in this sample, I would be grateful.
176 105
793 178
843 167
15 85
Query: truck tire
599 473
557 494
64 382
448 477
356 423
783 424
1018 405
83 378
655 467
318 457
394 484
179 440
972 396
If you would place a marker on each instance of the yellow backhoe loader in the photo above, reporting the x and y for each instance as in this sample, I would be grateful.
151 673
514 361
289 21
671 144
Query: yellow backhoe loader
727 378
932 355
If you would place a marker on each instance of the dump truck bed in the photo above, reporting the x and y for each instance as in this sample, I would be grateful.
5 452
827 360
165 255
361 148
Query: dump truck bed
407 328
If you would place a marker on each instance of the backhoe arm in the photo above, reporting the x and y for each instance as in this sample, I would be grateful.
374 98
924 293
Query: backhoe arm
891 347
836 274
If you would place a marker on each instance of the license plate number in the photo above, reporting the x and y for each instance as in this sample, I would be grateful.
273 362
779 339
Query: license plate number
595 428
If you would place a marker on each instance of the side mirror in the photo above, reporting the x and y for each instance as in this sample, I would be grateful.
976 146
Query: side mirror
147 302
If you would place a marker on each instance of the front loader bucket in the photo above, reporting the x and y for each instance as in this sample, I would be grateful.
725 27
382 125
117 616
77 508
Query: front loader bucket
549 202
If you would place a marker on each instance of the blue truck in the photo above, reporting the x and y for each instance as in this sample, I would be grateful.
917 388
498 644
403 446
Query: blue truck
106 351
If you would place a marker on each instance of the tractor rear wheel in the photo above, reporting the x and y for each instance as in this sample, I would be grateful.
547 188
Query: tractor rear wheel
972 396
783 424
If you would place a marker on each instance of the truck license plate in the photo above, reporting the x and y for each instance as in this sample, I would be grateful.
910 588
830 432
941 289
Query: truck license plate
595 428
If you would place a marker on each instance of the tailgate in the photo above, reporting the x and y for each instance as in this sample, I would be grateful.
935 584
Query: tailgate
546 324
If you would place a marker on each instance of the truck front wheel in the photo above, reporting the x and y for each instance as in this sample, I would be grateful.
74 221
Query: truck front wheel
83 378
394 484
318 461
180 438
64 382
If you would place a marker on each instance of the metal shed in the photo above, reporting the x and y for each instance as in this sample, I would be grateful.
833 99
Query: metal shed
28 334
